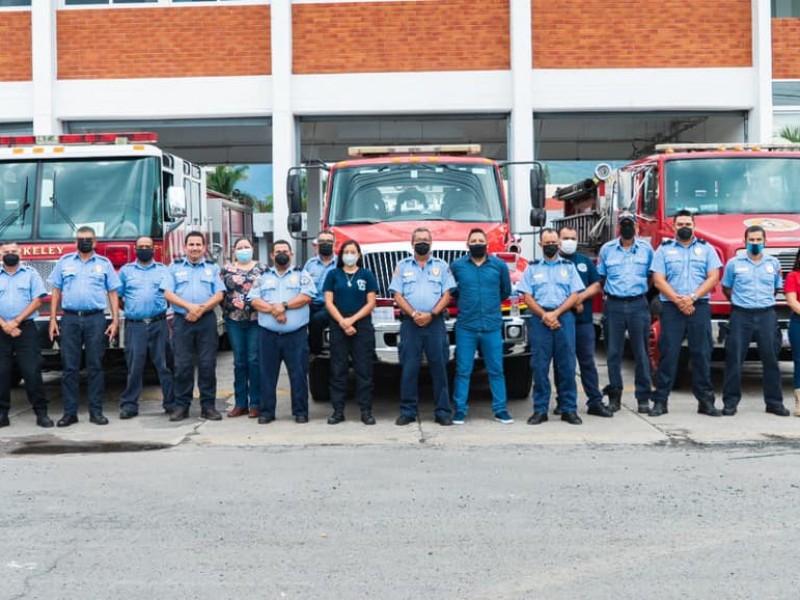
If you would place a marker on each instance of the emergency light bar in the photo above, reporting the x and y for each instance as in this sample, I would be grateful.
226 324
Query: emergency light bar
140 137
733 147
400 150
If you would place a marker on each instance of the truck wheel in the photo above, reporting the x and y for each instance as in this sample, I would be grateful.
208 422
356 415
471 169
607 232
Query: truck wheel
318 379
518 375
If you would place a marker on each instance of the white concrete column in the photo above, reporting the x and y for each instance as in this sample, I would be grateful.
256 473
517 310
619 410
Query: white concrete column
44 59
285 153
520 142
760 124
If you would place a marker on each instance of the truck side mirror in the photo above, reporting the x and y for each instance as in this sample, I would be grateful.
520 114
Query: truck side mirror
176 202
537 186
295 222
294 192
538 217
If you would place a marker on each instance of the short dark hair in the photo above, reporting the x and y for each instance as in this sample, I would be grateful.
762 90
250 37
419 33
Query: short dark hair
340 262
192 234
421 230
279 242
85 229
683 213
755 229
546 230
326 232
475 230
142 237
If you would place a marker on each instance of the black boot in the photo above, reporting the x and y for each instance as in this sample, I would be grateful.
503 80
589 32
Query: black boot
705 406
614 398
659 408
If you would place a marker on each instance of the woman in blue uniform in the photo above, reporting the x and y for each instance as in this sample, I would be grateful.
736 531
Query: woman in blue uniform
350 298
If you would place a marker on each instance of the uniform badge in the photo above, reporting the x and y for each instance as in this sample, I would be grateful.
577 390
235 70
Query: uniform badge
436 271
582 268
208 272
563 272
770 269
698 251
293 279
304 280
98 269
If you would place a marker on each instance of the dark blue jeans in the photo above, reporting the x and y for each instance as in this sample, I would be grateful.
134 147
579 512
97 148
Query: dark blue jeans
584 350
634 317
25 351
491 345
558 345
413 342
243 337
77 333
190 341
360 347
141 339
292 349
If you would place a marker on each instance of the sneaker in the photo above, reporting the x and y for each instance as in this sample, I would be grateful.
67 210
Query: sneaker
503 417
459 418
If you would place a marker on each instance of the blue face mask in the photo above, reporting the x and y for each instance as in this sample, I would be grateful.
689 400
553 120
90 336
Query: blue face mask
755 249
244 255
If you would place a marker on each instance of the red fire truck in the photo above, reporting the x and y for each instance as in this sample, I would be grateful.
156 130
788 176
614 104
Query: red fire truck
122 185
380 196
728 187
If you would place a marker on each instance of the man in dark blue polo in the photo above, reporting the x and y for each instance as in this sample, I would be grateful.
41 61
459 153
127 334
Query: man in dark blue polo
483 283
146 328
21 293
84 283
192 285
281 298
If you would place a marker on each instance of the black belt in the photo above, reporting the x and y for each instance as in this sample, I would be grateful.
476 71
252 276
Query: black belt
625 298
83 313
160 317
752 310
287 332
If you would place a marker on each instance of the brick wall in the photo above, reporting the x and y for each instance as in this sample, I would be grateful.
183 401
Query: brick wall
15 46
176 42
439 35
786 48
608 34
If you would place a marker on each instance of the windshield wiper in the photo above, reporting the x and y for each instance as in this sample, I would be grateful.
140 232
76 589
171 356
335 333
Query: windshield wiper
358 222
57 208
9 220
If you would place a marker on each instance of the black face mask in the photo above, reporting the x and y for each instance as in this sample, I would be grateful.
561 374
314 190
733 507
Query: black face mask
422 248
550 250
11 260
144 254
325 249
282 259
477 250
85 246
627 231
685 233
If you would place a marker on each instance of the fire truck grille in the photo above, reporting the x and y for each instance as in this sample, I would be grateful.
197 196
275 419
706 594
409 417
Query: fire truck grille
44 268
786 258
384 263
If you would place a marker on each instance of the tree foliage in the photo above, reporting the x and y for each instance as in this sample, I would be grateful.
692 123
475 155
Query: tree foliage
791 134
224 178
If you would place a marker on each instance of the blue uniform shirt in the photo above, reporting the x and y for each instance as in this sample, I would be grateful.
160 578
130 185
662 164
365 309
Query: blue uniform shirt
625 269
273 287
685 267
550 282
193 282
17 290
480 291
141 289
422 287
589 275
318 272
84 285
753 284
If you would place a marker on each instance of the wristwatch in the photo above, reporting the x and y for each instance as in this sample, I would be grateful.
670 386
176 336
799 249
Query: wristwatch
693 297
285 305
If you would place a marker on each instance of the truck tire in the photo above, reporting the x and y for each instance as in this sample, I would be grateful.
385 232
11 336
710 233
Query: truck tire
319 370
518 375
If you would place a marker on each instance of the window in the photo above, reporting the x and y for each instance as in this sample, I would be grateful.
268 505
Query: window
15 3
785 8
650 198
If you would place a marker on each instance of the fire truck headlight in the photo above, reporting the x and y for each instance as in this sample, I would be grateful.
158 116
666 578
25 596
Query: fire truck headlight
513 332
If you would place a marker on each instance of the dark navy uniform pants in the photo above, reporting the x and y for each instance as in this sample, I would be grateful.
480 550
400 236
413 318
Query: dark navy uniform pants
292 349
83 332
141 339
433 341
632 316
189 340
361 348
25 351
548 345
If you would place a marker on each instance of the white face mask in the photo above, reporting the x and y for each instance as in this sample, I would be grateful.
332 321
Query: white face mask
349 259
569 246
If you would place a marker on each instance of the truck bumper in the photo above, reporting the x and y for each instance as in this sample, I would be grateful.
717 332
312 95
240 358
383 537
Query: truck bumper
719 332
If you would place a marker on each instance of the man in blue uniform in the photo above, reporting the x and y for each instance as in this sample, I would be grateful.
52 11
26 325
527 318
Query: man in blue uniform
146 329
281 298
421 286
624 266
550 288
84 283
483 283
318 268
21 293
685 270
192 285
750 282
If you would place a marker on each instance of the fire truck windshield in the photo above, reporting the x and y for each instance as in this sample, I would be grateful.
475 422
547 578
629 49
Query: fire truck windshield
373 193
733 185
48 200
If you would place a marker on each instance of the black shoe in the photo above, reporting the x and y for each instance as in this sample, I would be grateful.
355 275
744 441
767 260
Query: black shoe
404 420
168 410
42 420
571 418
210 414
263 419
127 413
557 410
537 418
643 407
599 410
98 419
335 418
67 420
728 411
706 407
659 408
614 398
4 422
301 419
367 418
778 409
444 421
179 414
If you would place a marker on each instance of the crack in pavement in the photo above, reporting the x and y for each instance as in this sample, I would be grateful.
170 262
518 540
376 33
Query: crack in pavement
26 583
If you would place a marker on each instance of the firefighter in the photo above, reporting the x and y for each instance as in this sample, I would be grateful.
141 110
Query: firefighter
318 268
685 270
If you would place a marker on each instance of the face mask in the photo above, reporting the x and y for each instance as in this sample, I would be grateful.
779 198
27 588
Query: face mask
244 255
349 259
144 254
422 248
569 246
85 246
11 260
550 250
685 233
754 249
325 249
477 250
282 259
627 231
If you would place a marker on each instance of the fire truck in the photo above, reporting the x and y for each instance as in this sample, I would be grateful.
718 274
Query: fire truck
727 187
382 194
122 185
